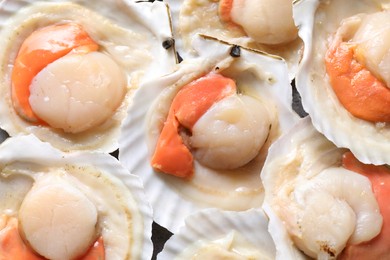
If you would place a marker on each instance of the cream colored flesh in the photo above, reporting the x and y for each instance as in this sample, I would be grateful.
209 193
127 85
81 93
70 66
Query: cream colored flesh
266 21
231 133
317 205
78 92
373 44
53 210
318 98
232 246
334 208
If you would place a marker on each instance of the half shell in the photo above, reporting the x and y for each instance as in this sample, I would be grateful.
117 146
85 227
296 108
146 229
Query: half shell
192 17
118 195
309 195
212 226
131 33
318 21
261 76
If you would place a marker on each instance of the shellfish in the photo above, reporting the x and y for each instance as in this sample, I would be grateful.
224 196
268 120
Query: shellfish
262 78
71 200
333 105
68 71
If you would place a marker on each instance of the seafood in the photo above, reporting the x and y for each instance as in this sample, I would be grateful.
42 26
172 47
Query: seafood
342 78
246 23
214 175
69 71
237 235
317 206
80 202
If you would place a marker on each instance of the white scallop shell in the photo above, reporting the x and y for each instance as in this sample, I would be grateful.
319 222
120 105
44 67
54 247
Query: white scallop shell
27 153
210 25
317 20
142 57
212 224
171 205
305 152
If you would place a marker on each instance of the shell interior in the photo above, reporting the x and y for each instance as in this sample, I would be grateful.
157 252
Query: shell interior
209 225
193 17
100 177
256 74
302 151
318 21
304 181
131 33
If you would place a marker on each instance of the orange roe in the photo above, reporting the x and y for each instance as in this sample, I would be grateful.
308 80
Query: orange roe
171 155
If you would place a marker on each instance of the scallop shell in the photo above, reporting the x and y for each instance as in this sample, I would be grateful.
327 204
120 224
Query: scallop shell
204 19
304 151
131 32
317 21
209 225
172 198
27 155
296 170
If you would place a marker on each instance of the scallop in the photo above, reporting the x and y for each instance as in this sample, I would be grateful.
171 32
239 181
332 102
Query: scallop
246 23
317 205
67 205
69 69
342 36
214 234
231 133
253 109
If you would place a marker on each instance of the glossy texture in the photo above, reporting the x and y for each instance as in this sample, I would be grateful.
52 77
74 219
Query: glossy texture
37 51
192 101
